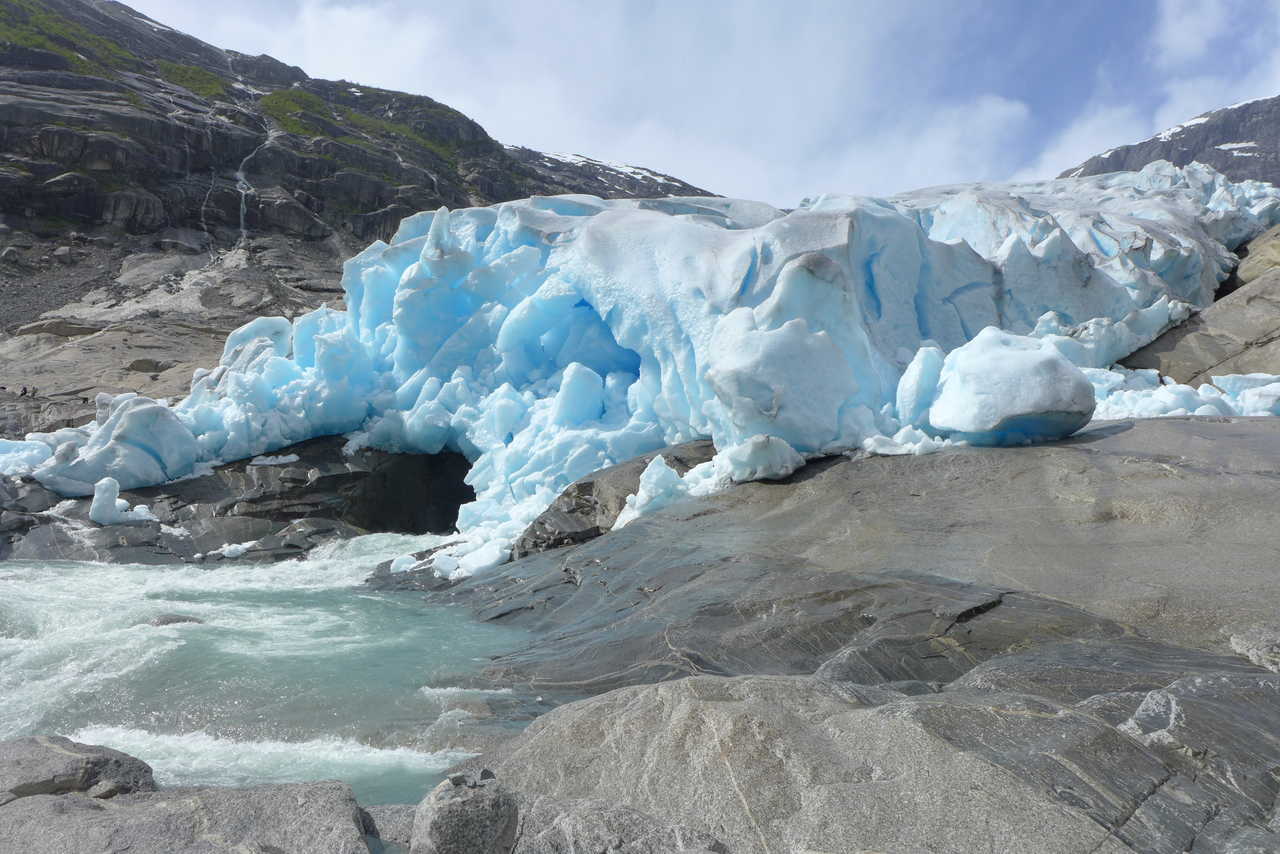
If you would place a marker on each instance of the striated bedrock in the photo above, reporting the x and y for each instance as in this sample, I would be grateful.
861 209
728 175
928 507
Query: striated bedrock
547 338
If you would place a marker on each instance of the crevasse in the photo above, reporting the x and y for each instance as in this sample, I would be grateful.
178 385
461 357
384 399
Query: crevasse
548 337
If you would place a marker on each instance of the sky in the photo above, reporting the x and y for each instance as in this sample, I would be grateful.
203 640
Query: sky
782 99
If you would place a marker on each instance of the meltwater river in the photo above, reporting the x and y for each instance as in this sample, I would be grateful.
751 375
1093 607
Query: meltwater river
293 673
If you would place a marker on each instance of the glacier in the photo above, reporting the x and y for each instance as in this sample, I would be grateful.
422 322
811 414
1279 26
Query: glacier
549 337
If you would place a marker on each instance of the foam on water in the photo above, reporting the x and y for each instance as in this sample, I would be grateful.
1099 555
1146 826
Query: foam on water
289 673
198 757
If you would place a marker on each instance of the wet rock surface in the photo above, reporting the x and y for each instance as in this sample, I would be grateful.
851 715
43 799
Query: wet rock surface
1061 648
245 510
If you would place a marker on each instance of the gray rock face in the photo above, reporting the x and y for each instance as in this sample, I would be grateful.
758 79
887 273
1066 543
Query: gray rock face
889 569
773 764
391 823
466 815
131 318
304 818
590 505
1238 334
282 510
1153 523
1239 141
550 826
52 765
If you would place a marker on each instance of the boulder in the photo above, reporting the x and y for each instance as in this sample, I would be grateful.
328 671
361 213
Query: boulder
302 818
466 815
53 765
1238 334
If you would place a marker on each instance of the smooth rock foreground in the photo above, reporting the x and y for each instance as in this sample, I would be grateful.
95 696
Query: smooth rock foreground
840 699
61 797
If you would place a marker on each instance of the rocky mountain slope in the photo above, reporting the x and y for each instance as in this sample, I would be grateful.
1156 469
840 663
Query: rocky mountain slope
157 191
1241 141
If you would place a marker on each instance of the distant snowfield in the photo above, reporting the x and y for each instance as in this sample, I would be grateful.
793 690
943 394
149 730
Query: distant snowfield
548 337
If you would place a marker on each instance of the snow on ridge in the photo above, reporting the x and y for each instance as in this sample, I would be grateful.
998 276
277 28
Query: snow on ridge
548 337
634 171
1169 133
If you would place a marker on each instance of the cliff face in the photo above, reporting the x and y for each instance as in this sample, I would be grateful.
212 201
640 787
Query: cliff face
109 118
1241 141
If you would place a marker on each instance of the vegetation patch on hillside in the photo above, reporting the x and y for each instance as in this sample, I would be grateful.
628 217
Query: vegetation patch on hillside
290 108
206 84
30 24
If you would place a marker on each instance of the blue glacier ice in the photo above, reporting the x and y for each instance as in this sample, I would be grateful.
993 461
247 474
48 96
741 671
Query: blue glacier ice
108 508
998 389
548 337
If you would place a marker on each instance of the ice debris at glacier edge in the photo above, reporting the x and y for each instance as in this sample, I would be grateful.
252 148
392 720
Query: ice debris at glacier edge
548 337
108 508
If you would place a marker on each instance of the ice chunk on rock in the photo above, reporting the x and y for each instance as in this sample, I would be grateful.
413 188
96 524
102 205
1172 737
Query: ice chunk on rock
108 508
1004 389
759 458
141 443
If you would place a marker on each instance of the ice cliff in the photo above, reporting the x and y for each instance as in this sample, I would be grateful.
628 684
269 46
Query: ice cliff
548 337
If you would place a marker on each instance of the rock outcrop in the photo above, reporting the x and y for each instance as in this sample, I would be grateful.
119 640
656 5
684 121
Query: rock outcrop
773 764
1237 334
52 765
269 508
298 818
1153 524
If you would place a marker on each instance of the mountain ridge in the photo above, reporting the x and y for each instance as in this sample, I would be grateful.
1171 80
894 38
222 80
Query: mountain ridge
1242 141
111 118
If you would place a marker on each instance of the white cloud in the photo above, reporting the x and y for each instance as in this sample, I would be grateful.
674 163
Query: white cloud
756 98
1186 29
1094 131
769 100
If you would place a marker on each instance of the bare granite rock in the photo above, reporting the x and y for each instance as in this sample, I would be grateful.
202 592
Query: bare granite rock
299 818
774 764
53 765
1238 334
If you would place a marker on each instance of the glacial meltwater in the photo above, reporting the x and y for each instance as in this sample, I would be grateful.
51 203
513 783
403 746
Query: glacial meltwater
288 672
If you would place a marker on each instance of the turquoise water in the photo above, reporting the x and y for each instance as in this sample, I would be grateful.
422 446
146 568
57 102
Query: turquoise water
295 673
